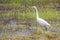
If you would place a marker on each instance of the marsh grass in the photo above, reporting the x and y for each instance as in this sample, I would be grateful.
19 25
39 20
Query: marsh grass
22 12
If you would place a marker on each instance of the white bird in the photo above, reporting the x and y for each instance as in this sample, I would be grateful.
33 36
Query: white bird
41 21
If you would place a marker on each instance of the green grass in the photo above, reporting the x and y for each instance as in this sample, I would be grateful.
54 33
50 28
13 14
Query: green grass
45 14
28 13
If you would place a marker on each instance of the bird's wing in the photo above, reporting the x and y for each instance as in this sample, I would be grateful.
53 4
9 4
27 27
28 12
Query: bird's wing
42 21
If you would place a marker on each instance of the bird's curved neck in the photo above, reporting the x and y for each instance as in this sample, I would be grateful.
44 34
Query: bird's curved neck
37 12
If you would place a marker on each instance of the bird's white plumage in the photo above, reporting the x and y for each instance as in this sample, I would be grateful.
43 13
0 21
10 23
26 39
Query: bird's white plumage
41 21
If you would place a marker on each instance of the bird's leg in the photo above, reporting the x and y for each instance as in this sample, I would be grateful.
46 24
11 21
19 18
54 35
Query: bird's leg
46 28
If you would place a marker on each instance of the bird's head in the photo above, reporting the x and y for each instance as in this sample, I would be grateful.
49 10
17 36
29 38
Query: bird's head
34 7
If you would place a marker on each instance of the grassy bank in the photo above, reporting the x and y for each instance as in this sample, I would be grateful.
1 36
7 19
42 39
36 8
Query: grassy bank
23 12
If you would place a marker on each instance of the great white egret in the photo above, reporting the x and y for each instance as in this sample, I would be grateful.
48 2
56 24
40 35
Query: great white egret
41 21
